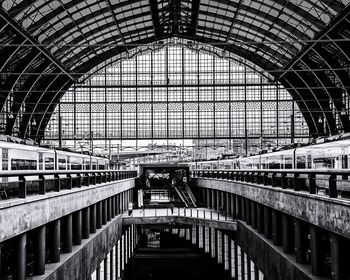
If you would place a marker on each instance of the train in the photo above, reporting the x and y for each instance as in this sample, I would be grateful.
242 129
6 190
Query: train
329 155
16 156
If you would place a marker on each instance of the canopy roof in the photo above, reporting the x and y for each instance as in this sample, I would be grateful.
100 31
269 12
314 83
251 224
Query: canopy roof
48 45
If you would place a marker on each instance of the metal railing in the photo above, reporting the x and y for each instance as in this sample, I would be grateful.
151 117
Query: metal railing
330 182
19 184
201 213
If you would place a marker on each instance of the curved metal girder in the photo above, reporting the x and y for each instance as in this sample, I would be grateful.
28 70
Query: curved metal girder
24 92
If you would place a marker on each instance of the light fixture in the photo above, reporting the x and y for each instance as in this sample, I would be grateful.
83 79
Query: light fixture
34 122
343 111
320 120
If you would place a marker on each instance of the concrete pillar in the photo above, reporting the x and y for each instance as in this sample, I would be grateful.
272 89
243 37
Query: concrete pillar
109 209
124 250
248 267
203 193
197 237
218 198
301 240
267 222
260 217
212 199
243 212
105 268
316 250
19 265
116 261
203 238
228 203
223 249
242 265
222 201
248 211
39 250
216 245
335 257
111 265
238 207
98 271
104 211
229 256
55 244
99 215
77 227
256 272
287 233
116 205
210 242
208 198
85 223
93 218
235 251
67 234
112 207
253 214
276 228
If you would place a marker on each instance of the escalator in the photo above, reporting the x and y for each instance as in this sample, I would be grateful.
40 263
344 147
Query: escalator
185 193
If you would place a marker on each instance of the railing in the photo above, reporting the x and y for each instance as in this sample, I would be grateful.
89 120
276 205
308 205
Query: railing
202 213
19 184
333 183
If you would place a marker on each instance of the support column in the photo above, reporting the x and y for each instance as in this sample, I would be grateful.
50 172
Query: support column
218 195
19 265
105 268
208 198
335 256
67 234
111 264
301 240
109 209
116 261
98 271
316 251
112 207
260 217
287 233
77 227
238 207
55 236
104 211
39 253
85 223
267 222
253 214
243 212
213 199
276 228
247 211
99 215
93 218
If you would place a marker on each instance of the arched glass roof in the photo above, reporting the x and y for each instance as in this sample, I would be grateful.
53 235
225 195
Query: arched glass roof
294 41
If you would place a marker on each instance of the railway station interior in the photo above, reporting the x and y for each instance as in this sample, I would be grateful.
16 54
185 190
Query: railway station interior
174 139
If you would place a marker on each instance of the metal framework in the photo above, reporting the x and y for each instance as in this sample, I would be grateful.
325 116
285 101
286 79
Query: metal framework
46 46
178 93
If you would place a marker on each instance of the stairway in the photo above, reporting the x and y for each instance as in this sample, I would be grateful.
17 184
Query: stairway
185 194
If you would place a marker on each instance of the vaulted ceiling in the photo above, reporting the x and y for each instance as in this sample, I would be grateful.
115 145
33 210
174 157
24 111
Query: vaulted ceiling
48 45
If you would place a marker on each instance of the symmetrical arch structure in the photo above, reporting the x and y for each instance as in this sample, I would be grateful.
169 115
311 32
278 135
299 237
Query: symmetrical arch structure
48 45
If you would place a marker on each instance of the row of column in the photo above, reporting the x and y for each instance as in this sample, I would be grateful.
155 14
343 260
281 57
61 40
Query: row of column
113 265
321 249
224 249
26 254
